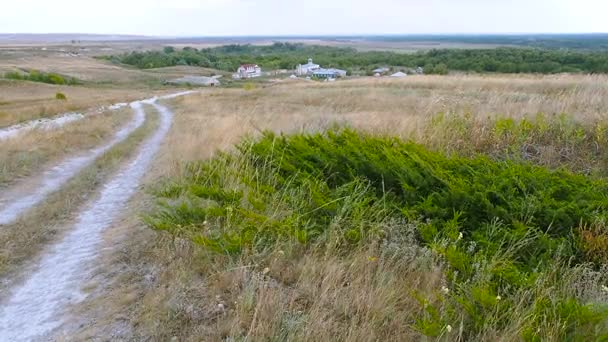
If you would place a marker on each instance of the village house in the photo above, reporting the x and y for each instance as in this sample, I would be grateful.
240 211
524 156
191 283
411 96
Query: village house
248 71
307 69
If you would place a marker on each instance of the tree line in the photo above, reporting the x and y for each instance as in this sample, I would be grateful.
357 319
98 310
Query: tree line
288 55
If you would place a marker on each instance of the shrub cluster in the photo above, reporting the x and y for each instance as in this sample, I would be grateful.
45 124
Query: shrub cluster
507 230
37 76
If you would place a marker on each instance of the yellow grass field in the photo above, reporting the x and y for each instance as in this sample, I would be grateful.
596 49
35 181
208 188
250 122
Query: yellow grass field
104 84
396 106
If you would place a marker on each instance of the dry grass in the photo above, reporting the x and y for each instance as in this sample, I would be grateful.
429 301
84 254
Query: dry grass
163 288
104 83
398 107
36 150
89 69
23 100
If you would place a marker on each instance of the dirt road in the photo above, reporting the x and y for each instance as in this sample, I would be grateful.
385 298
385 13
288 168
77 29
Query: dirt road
34 308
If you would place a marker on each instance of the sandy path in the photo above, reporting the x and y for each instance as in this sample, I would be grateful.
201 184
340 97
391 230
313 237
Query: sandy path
26 194
63 119
35 308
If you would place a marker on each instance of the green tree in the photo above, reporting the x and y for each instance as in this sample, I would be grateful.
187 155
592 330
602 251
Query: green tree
441 69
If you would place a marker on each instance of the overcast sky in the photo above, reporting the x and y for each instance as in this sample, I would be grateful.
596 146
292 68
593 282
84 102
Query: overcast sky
286 17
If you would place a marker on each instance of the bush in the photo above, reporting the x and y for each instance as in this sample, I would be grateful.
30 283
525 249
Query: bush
502 227
37 76
60 96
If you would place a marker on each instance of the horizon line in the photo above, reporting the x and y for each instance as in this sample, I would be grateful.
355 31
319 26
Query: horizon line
304 35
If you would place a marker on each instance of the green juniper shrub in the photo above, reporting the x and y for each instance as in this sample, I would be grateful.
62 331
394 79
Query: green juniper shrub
503 227
37 76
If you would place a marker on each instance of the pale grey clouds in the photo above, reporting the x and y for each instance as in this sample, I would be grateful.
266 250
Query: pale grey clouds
282 17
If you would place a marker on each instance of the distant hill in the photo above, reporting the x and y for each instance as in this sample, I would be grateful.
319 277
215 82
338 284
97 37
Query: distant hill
582 41
65 37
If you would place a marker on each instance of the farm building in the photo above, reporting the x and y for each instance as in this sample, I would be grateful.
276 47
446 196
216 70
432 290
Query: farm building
248 71
399 74
307 69
329 73
381 71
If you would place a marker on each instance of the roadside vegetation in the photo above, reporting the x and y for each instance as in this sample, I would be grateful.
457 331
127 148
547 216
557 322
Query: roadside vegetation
38 76
288 55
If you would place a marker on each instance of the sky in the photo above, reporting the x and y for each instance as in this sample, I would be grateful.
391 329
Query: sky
309 17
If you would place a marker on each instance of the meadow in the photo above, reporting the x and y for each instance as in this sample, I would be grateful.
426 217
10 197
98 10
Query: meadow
451 208
458 207
98 84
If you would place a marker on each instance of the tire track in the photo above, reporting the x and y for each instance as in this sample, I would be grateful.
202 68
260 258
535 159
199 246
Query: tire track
53 122
35 308
19 198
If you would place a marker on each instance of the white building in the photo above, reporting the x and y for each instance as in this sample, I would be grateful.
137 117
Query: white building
248 71
381 71
307 69
399 74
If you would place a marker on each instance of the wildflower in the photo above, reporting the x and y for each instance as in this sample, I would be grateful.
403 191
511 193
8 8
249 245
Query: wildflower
372 258
205 223
471 247
605 288
266 270
498 297
445 290
459 236
448 328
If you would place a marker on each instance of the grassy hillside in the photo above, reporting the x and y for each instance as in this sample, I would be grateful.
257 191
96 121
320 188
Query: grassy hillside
329 233
507 232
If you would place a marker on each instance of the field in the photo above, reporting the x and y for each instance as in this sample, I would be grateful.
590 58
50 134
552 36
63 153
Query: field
456 207
103 84
290 290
